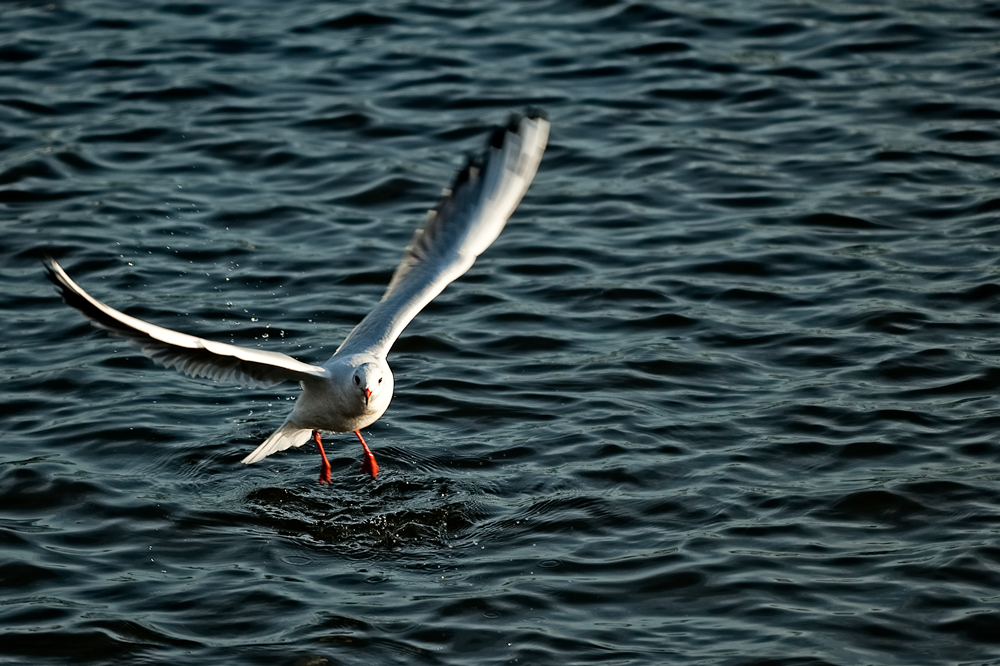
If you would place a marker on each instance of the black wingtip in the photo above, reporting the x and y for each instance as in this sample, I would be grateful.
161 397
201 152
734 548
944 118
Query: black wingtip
466 173
497 137
535 113
69 296
73 298
49 264
496 140
514 125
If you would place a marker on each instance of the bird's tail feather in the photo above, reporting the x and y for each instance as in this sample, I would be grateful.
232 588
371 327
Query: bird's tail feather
283 438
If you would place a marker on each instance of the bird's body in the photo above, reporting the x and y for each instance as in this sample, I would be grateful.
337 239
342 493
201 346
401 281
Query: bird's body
334 403
353 389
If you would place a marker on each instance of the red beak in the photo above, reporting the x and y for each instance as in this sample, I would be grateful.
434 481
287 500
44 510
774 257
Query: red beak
368 394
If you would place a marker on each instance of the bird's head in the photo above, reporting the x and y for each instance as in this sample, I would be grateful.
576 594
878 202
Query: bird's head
370 380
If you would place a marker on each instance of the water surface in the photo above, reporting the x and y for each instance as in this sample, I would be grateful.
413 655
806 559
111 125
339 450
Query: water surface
723 392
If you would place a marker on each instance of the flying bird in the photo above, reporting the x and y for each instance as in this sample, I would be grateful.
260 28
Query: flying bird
353 389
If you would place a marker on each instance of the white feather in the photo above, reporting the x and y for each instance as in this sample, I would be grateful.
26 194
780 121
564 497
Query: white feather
468 219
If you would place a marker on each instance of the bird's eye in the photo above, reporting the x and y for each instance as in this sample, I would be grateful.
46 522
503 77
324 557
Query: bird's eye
379 380
357 380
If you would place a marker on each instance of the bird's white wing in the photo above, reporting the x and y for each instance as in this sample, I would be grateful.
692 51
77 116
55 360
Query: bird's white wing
466 222
192 356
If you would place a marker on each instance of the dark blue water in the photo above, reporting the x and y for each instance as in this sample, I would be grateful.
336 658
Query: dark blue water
723 392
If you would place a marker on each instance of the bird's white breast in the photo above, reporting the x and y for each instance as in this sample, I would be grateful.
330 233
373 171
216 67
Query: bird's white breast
336 404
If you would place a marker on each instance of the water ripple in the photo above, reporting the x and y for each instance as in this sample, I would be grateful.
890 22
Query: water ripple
722 392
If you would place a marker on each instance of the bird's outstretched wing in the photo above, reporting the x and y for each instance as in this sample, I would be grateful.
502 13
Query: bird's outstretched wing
466 222
192 356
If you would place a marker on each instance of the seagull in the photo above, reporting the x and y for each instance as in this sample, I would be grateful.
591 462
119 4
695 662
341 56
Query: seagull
353 389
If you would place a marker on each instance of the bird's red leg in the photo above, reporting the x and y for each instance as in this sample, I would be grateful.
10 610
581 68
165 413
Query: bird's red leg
368 465
324 472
